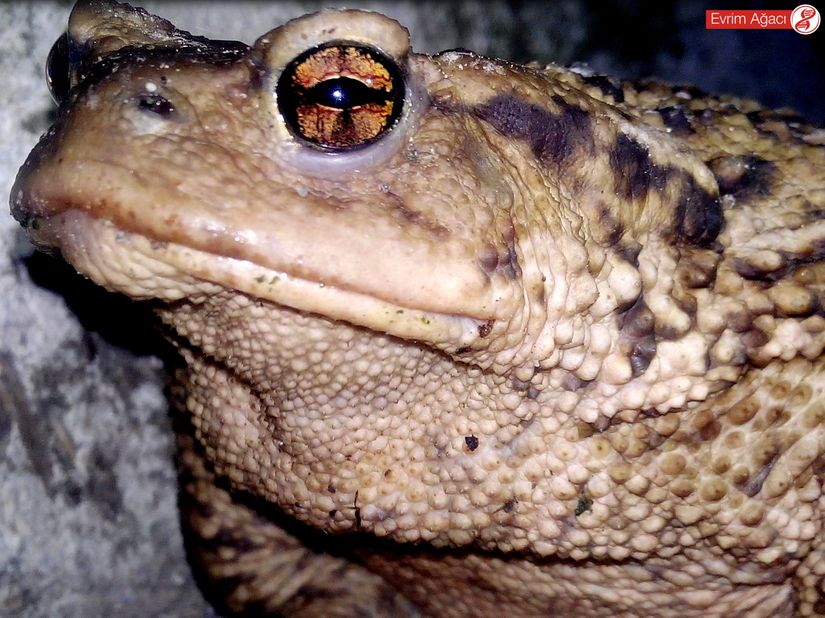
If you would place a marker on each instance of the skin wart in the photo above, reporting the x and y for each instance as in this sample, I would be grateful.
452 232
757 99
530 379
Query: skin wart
532 341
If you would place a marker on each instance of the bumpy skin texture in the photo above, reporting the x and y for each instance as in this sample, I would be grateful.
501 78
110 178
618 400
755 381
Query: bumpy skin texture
552 345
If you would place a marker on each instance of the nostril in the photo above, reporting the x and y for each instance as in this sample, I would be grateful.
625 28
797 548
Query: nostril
155 103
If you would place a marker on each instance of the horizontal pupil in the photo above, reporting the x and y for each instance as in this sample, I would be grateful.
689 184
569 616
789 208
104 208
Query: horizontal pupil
344 93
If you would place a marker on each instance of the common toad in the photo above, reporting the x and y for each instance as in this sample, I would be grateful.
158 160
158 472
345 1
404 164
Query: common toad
461 337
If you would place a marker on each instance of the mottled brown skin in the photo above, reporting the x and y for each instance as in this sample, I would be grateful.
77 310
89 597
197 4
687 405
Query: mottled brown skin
552 345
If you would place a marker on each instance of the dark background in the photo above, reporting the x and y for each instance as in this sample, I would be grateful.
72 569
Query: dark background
636 39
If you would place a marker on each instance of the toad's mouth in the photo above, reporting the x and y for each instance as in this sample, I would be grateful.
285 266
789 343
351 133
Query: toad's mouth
132 264
160 237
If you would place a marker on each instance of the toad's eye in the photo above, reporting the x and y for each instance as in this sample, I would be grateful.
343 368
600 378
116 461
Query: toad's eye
340 96
57 69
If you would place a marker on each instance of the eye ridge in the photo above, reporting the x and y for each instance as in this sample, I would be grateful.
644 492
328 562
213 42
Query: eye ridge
340 96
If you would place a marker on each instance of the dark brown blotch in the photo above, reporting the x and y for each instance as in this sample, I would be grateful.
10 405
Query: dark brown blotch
638 326
755 338
675 119
782 125
608 86
698 218
753 484
707 117
203 509
553 137
629 252
699 269
502 260
510 266
739 321
634 173
519 385
471 442
668 332
228 539
571 382
791 262
488 258
691 91
743 176
761 116
641 353
608 228
753 272
686 302
223 588
638 321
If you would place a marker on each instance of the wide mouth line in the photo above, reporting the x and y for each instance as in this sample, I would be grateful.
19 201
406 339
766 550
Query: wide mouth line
87 241
270 276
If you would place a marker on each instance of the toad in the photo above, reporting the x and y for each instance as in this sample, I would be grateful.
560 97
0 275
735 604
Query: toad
460 337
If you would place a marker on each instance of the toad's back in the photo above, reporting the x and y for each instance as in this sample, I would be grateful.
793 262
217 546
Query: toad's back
461 336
